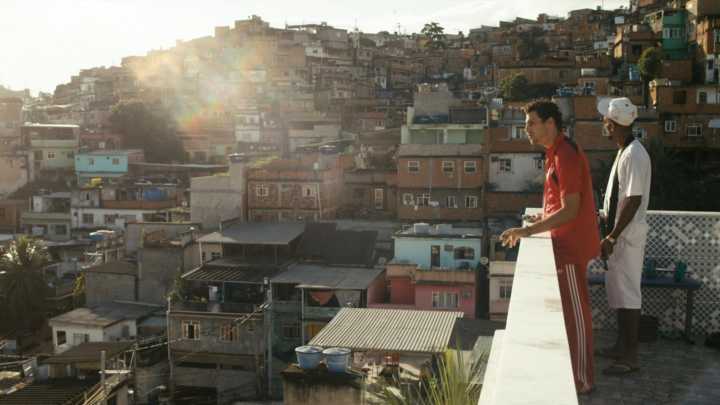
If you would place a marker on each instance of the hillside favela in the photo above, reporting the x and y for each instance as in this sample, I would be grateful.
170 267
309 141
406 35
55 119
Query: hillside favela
524 211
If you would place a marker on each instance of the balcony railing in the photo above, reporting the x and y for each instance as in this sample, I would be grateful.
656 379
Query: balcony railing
139 204
215 307
530 360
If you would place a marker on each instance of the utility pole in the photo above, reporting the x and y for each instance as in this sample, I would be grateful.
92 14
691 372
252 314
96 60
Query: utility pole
171 382
102 378
269 320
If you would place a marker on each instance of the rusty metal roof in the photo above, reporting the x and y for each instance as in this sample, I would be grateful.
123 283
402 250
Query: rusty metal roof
395 330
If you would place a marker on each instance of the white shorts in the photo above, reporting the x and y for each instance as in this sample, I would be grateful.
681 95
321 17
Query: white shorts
624 275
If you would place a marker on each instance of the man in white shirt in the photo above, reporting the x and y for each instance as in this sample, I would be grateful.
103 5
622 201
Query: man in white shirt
625 206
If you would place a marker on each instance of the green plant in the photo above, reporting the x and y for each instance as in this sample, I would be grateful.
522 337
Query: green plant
454 382
435 34
22 283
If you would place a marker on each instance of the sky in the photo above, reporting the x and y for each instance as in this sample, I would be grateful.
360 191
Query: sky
44 42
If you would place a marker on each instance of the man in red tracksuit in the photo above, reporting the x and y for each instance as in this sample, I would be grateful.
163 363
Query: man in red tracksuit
570 216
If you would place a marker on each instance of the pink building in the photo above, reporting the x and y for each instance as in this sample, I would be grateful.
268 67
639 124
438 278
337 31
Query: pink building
435 268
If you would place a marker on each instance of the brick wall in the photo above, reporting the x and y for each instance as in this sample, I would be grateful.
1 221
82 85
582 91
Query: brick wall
431 173
588 134
511 203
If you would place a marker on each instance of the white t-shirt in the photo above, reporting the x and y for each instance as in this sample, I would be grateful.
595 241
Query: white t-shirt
633 168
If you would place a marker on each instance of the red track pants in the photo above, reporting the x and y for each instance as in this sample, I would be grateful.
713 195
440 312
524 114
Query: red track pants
575 297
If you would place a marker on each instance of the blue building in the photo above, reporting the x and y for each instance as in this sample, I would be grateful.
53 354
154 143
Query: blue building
105 164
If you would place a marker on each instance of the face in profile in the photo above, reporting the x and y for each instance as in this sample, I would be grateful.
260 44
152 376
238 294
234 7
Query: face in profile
535 128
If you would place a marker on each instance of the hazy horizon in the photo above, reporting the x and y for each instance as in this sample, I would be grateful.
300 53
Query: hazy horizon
45 42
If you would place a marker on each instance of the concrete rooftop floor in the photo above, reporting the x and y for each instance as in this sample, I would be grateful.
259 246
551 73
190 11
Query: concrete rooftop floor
671 372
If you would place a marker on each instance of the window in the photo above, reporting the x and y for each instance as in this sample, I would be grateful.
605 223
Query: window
80 338
518 132
60 229
88 219
717 38
91 161
116 161
359 193
262 190
679 97
70 155
448 167
215 255
671 126
471 201
38 155
110 219
702 97
408 199
639 133
229 333
505 165
2 212
451 201
694 130
539 163
435 255
51 155
445 300
464 253
190 330
291 330
422 200
308 191
413 166
470 166
379 195
61 337
505 289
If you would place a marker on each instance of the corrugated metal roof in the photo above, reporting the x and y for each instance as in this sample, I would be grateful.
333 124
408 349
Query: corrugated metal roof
396 330
257 234
336 278
230 270
88 352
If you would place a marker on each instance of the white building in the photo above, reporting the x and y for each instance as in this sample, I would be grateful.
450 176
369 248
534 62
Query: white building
516 172
501 280
107 323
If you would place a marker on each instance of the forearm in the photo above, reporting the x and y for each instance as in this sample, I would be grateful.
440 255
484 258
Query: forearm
552 221
628 208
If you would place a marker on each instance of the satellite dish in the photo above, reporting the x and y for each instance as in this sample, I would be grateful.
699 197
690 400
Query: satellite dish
484 261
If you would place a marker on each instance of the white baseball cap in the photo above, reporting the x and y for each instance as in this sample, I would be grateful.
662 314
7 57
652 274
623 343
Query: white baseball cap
620 110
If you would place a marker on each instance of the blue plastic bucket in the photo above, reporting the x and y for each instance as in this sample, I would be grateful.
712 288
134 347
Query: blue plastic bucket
337 359
308 357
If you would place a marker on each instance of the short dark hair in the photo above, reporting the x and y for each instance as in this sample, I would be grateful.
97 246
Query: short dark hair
545 109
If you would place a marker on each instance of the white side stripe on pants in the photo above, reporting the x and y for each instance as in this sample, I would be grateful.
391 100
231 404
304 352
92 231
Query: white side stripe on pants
579 325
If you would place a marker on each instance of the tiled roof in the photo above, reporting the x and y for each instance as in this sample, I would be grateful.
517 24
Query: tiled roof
88 352
449 150
257 234
115 267
231 270
318 276
104 315
372 329
52 392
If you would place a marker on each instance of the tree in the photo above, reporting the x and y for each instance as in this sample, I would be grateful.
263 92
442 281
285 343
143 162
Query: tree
650 67
435 35
151 130
22 284
515 87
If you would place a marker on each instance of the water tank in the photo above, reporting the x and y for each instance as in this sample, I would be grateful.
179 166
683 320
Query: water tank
337 359
421 228
308 357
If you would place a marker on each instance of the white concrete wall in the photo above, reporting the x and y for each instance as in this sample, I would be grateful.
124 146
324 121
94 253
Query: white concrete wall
124 216
213 199
95 333
524 170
